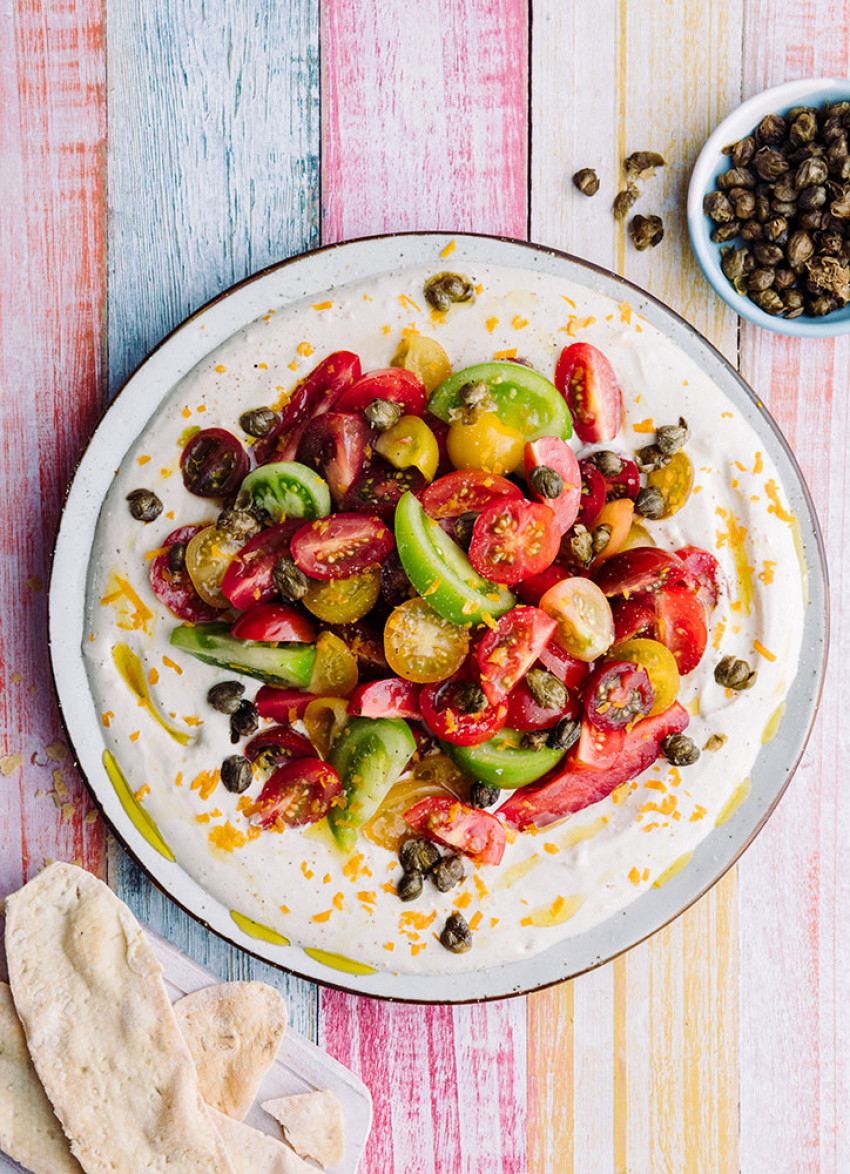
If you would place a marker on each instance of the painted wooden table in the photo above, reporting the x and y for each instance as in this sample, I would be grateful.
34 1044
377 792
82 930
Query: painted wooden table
152 153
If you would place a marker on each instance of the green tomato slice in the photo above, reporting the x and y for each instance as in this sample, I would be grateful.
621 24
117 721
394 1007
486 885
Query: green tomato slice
287 664
501 762
441 572
369 755
524 399
288 489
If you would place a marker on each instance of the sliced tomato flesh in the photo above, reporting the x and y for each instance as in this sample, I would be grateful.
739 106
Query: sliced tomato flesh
643 568
391 383
567 668
446 716
313 396
556 454
298 793
598 749
532 589
507 652
586 379
341 545
270 622
336 445
704 576
618 693
680 625
632 617
476 833
626 483
175 589
512 540
282 705
593 494
392 697
465 489
524 713
248 579
379 488
276 745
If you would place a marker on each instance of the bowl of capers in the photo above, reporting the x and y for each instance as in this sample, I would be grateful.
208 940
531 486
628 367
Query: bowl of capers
769 208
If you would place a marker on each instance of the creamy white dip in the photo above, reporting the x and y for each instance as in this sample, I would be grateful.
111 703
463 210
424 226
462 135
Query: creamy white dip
558 882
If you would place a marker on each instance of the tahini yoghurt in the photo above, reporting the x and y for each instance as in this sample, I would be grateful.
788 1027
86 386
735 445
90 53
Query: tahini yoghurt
560 881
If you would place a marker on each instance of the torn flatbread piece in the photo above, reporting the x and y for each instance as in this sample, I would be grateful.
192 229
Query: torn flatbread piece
29 1130
101 1032
234 1031
253 1152
313 1125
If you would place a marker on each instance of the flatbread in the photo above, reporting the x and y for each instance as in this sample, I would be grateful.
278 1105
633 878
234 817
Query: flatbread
234 1031
29 1130
253 1152
313 1125
101 1033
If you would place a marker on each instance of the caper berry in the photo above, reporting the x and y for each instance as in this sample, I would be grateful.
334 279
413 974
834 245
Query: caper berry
546 689
236 774
735 674
642 164
624 200
608 463
651 457
259 421
601 538
814 197
546 482
226 696
417 855
671 437
471 698
482 795
726 232
447 872
145 506
679 749
382 414
646 232
443 289
243 721
799 248
783 279
456 935
760 279
581 545
719 208
239 524
744 204
565 734
803 128
766 253
650 503
289 579
811 171
410 886
751 230
769 164
771 130
476 396
768 300
743 151
177 558
587 181
736 177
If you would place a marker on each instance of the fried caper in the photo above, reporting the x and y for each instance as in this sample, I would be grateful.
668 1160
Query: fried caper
443 289
226 696
417 855
545 481
456 935
736 674
236 774
679 749
447 872
382 414
289 579
482 795
243 721
546 689
409 886
259 421
145 506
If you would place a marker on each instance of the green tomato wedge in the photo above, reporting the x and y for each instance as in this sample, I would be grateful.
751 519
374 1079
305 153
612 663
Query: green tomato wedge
501 762
287 664
369 755
288 489
440 570
524 399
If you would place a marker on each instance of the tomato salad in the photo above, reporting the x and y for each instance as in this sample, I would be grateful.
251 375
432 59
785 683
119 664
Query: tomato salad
421 564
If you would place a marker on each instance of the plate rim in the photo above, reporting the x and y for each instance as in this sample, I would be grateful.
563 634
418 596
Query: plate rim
355 984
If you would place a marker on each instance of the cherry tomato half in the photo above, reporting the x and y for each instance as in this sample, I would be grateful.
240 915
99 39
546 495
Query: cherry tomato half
335 445
334 669
587 381
704 576
276 745
343 601
448 821
556 454
532 589
213 463
660 664
273 621
507 652
298 793
585 622
618 515
675 481
645 568
420 645
512 540
392 383
626 483
524 713
174 588
248 579
208 557
282 705
568 669
365 639
466 489
680 626
632 617
443 712
487 443
392 697
618 693
379 488
341 545
593 493
313 396
410 443
425 358
596 748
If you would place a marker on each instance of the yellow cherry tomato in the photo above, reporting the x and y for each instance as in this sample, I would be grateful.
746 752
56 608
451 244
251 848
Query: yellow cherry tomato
675 481
659 663
584 617
638 535
335 672
420 645
324 719
435 775
618 515
208 555
343 601
425 358
410 442
486 443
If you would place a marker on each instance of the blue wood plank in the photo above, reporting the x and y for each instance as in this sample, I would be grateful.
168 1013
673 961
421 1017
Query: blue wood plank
213 173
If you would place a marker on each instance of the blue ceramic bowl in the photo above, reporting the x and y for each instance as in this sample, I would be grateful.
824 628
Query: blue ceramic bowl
711 162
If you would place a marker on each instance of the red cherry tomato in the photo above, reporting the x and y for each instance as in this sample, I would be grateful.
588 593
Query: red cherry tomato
680 626
513 539
273 621
525 714
532 590
441 432
617 694
507 652
392 697
365 638
341 545
570 788
643 568
569 669
704 576
313 396
466 489
282 705
379 488
248 579
335 445
298 793
440 712
626 483
587 381
593 493
213 463
392 383
632 617
276 745
174 588
448 821
557 455
598 749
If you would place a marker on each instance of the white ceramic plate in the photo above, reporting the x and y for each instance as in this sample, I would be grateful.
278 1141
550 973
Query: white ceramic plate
299 1067
315 273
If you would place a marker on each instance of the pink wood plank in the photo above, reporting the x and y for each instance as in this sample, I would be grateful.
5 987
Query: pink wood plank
52 127
795 900
424 126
